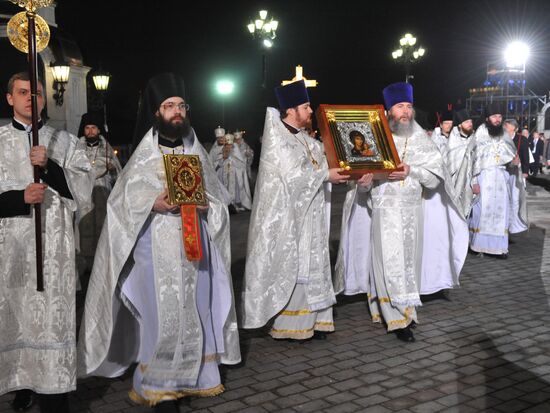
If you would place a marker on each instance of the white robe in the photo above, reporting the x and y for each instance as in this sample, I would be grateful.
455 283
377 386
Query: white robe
37 339
288 237
232 172
175 336
382 241
460 159
89 227
500 206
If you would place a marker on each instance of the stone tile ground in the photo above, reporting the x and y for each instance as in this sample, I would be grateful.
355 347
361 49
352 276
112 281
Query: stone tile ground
486 348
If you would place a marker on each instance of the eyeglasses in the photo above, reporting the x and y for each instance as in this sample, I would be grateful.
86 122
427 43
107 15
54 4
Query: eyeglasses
173 106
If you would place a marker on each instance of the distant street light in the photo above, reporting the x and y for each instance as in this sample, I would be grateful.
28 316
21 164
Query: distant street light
224 88
516 55
407 55
264 30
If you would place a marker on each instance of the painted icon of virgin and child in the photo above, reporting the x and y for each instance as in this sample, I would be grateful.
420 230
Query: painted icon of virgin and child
360 145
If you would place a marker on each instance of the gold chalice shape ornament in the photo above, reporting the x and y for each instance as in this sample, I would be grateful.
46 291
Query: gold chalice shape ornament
18 26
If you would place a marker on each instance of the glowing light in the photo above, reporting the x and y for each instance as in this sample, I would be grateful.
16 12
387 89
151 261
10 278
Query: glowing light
225 87
516 54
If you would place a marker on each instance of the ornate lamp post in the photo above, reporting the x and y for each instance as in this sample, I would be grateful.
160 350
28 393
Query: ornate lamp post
101 82
407 55
264 29
60 73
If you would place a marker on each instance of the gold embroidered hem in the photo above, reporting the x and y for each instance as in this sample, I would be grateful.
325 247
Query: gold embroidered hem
294 334
295 313
153 397
325 326
477 230
397 324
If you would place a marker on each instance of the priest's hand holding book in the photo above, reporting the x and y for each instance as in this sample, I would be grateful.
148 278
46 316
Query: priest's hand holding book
162 204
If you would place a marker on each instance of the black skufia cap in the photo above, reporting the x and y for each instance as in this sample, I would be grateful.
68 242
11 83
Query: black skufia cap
462 115
158 89
92 118
493 108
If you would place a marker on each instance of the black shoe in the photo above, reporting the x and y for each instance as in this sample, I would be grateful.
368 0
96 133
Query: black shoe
23 401
169 406
405 334
319 335
232 209
503 256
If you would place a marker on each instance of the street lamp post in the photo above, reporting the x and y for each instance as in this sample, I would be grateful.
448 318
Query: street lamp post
264 30
224 88
407 55
60 73
101 82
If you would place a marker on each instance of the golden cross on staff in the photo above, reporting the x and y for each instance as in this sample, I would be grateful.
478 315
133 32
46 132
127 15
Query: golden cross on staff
29 33
300 76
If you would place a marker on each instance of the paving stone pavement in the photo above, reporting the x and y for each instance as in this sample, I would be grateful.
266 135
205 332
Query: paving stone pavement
486 348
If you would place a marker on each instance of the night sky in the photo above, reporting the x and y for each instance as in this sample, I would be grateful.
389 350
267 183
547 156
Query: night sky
345 45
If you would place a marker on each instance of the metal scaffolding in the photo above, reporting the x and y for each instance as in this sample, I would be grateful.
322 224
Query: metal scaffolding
507 86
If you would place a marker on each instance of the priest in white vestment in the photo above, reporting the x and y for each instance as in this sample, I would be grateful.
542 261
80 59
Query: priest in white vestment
106 169
493 216
381 246
441 134
230 164
38 329
460 158
147 302
288 275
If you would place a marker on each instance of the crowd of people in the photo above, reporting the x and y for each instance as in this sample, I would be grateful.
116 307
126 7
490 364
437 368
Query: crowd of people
170 315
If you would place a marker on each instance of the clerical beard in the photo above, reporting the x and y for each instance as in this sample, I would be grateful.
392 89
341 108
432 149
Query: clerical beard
401 129
171 130
494 130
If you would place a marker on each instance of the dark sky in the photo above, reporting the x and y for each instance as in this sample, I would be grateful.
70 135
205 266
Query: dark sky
345 45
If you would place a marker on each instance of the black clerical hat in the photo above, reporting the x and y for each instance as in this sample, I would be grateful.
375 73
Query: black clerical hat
461 115
92 118
158 89
493 108
446 115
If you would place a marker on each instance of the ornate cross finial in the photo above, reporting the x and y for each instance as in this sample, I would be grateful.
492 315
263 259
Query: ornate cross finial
300 76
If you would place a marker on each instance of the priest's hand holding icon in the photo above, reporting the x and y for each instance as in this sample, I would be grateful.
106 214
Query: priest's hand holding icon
400 175
39 156
337 175
162 205
365 180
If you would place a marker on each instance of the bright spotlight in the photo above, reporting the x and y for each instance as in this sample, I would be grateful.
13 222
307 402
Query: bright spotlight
516 54
268 43
225 87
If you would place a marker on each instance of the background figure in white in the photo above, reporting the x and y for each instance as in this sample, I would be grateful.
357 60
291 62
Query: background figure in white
460 159
246 150
492 216
441 134
231 167
106 168
217 146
